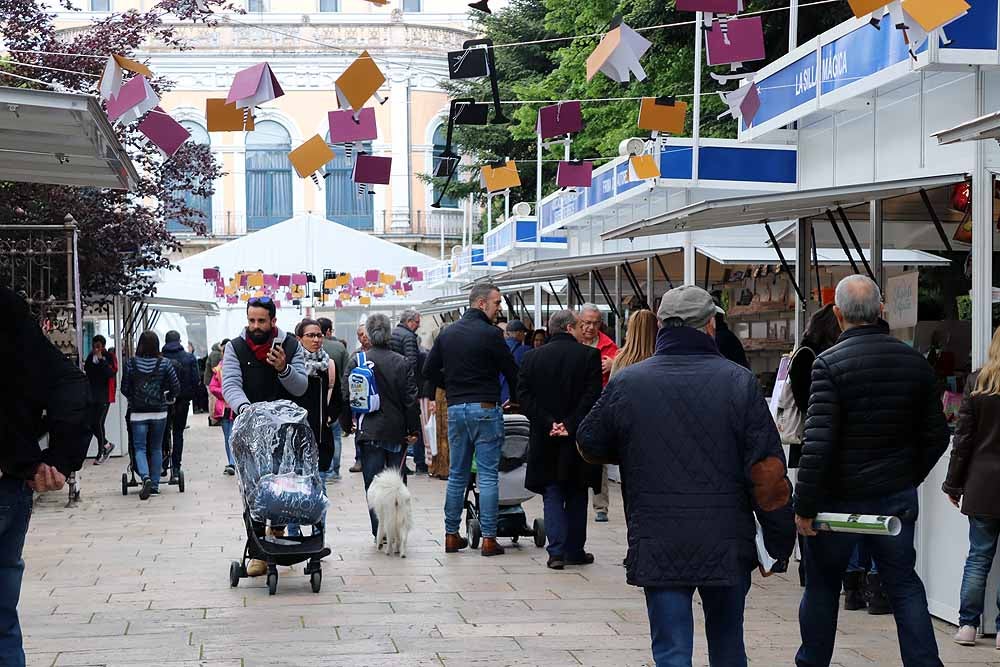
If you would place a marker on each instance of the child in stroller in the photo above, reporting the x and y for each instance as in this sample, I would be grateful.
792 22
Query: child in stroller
277 464
512 522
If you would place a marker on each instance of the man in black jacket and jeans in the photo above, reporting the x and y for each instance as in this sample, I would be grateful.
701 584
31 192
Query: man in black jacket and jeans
186 368
699 457
43 393
405 342
467 360
874 431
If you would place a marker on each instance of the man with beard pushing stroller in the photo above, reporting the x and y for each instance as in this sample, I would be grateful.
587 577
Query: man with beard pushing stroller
262 364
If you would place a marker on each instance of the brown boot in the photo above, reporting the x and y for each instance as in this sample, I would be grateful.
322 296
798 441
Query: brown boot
453 543
491 548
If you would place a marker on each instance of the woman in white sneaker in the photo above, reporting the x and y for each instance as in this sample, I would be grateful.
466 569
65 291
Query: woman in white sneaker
972 484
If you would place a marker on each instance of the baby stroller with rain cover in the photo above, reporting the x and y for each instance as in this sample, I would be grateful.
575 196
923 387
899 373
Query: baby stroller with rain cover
277 464
512 522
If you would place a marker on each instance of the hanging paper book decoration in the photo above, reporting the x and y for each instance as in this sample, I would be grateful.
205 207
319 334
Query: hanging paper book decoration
710 8
559 119
113 76
463 111
743 103
371 170
662 114
642 167
500 176
133 101
935 14
310 157
742 41
351 129
481 6
913 34
252 87
359 83
575 174
476 60
163 131
867 9
221 116
618 55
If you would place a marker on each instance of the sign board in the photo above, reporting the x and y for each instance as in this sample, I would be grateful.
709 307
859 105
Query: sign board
901 296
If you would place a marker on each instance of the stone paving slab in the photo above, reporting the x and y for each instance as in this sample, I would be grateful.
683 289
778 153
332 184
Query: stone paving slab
118 582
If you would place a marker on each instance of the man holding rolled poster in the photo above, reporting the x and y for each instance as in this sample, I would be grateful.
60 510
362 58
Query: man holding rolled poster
874 430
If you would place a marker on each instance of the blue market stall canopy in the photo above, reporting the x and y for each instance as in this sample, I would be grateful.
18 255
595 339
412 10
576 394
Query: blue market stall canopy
855 58
545 270
737 211
519 232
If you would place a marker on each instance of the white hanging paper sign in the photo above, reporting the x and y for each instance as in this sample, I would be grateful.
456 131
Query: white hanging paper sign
618 55
901 300
111 79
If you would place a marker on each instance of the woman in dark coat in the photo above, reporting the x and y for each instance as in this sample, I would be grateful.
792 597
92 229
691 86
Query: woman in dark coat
558 383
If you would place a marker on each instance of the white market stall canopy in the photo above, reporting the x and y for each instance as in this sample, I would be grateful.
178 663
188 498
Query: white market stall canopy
61 139
728 256
736 211
556 269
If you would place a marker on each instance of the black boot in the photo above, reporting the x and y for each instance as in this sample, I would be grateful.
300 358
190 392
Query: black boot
854 594
878 601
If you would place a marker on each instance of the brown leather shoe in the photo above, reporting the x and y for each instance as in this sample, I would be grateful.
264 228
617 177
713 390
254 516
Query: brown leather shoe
453 543
491 548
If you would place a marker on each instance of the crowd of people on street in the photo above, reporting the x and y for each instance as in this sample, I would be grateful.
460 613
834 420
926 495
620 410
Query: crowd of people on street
704 478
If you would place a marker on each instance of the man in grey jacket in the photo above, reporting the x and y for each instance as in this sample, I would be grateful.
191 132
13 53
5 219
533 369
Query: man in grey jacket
263 363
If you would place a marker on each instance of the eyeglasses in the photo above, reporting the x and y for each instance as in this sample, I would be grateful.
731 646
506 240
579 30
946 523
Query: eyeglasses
260 301
312 335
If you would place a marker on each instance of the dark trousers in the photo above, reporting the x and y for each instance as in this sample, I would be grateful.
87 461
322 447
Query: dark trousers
173 435
671 623
419 454
98 417
375 459
15 511
826 559
565 510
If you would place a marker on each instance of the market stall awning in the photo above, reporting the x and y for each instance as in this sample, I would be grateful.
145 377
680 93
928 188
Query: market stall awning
736 211
729 256
544 270
62 139
182 306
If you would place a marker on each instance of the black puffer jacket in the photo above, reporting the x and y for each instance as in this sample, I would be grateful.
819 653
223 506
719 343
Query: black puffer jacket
875 424
699 456
406 343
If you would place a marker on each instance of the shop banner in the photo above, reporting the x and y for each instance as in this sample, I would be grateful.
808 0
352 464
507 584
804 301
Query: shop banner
901 294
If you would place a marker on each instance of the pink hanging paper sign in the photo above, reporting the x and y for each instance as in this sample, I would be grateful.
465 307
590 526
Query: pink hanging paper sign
344 129
559 119
277 304
750 105
210 275
575 174
408 287
372 169
253 86
232 299
409 271
419 277
714 6
742 41
163 131
133 95
371 275
358 283
298 279
271 281
338 304
220 292
397 285
285 280
243 279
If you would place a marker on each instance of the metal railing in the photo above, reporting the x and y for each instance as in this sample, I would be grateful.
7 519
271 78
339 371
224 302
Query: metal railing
425 223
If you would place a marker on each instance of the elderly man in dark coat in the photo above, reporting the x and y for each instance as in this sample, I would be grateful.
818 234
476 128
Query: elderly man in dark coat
557 385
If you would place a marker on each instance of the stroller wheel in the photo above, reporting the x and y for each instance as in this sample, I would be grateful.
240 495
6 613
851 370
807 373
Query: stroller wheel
124 484
316 581
235 573
272 583
474 533
180 481
539 528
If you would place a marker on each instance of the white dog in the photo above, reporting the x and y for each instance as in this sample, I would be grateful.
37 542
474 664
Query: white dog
391 501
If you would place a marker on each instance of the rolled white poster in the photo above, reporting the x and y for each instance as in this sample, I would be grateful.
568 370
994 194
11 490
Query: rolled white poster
861 524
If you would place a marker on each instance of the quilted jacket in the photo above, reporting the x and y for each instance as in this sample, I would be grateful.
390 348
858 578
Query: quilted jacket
875 425
699 454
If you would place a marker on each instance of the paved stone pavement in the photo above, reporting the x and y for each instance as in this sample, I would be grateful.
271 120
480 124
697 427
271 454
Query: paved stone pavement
117 581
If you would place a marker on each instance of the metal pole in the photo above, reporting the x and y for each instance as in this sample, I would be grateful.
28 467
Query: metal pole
982 243
618 303
650 285
440 222
538 305
876 268
689 260
793 25
696 104
538 197
489 215
802 264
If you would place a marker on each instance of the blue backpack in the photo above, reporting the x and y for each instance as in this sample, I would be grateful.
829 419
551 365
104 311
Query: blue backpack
362 388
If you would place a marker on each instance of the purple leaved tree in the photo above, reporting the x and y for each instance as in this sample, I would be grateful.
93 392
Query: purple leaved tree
123 237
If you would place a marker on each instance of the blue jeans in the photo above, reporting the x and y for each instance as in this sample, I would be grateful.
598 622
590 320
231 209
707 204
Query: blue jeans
861 560
377 456
671 623
15 511
227 430
338 445
147 438
566 520
473 429
983 535
826 558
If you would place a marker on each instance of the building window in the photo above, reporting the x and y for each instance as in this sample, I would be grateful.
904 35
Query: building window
440 138
343 203
269 175
329 5
411 5
203 205
100 5
256 5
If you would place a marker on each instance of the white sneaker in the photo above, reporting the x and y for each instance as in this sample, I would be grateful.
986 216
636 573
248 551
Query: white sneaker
966 636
